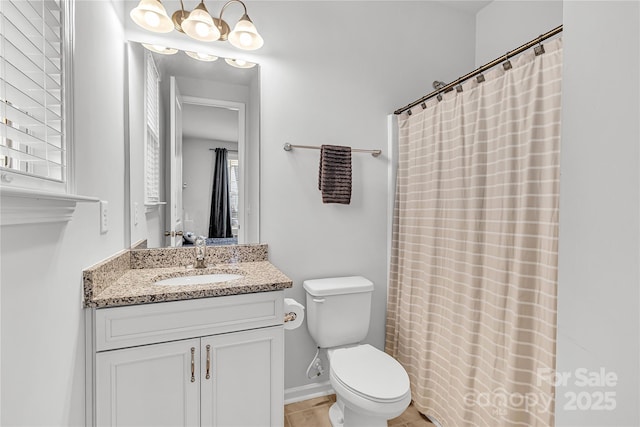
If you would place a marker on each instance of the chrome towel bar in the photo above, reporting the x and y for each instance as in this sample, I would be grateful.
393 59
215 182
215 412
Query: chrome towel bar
289 147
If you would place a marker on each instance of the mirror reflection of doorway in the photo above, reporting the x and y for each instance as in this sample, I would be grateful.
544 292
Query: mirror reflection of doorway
207 126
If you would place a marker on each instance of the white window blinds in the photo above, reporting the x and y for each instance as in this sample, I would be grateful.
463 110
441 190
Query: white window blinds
234 195
152 133
32 75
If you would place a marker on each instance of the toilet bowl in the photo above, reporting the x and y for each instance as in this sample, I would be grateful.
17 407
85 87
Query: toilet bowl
371 387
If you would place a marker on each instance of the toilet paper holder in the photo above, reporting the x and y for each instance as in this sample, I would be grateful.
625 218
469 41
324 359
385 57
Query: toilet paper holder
293 313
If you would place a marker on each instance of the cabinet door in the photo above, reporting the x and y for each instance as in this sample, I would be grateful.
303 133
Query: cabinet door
150 385
245 385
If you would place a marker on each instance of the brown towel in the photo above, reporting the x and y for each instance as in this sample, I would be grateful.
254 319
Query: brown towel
334 179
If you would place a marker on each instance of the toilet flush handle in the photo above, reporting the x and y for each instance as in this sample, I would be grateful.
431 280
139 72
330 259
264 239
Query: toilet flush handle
319 300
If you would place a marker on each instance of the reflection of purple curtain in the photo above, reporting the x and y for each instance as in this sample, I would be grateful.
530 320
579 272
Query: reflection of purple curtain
220 218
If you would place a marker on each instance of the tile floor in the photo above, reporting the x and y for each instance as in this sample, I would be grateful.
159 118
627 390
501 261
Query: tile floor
315 413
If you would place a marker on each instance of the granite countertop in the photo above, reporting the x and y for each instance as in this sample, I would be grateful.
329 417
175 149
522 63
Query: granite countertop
114 282
137 286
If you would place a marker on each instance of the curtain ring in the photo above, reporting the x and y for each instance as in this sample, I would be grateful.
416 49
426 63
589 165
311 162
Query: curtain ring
539 50
506 65
438 85
458 85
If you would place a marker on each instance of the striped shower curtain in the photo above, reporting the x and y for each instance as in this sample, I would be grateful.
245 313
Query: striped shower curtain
472 293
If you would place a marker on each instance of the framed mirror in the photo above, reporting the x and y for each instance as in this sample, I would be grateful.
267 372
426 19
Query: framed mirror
184 114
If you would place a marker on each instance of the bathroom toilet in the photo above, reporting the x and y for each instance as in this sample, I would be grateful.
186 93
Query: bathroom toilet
371 386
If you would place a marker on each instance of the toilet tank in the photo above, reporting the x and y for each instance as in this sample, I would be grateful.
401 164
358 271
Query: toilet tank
338 310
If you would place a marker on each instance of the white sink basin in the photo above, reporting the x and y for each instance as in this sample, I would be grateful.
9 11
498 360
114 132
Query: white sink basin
202 279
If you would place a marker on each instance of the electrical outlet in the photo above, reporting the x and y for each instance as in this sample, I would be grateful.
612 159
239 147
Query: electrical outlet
135 213
104 216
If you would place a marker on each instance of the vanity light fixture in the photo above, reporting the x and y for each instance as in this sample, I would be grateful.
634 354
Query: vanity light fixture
239 63
202 56
198 24
163 50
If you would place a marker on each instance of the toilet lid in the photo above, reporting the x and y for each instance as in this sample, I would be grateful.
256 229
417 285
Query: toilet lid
370 372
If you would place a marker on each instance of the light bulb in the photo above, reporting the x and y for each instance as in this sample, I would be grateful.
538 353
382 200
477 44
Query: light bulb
160 49
202 29
152 19
245 39
200 56
239 63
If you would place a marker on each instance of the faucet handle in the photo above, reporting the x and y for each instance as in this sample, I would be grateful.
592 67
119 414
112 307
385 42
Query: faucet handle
200 244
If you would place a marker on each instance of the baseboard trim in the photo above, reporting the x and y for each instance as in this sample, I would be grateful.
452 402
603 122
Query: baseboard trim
307 391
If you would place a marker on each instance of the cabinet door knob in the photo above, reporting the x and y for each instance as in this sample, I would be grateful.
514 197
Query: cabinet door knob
193 365
208 374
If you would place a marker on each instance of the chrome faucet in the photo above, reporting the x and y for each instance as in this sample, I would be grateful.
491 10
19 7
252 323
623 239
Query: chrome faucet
201 246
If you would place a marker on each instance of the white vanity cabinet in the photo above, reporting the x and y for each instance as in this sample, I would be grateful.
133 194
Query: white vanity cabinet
203 362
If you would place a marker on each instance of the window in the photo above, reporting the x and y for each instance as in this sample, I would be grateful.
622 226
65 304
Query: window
33 71
233 193
152 133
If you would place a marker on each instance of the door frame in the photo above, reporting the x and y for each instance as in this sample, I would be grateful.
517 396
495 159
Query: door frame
175 211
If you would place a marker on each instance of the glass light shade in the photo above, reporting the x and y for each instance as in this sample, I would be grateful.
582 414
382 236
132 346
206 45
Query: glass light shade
199 25
245 35
239 63
202 56
163 50
152 16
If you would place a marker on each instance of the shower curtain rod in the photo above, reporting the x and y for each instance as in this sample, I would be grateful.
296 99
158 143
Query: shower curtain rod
485 67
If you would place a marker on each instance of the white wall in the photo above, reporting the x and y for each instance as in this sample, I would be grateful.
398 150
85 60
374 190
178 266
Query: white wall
503 25
207 122
213 89
42 373
326 86
598 299
599 247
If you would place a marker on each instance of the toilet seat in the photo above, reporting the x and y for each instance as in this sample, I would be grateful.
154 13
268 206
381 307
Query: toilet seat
370 373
